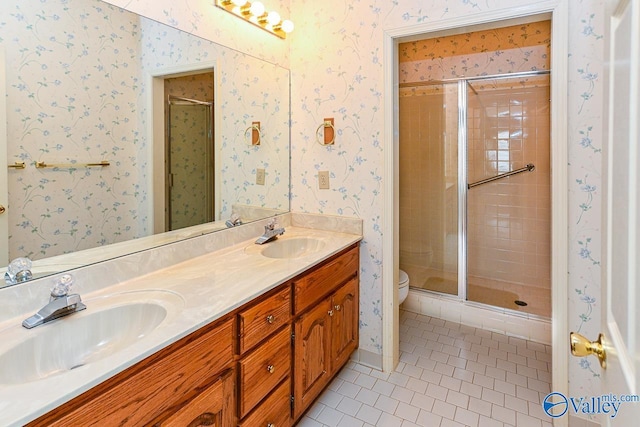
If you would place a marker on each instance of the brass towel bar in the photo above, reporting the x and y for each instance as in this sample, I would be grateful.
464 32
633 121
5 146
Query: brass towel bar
530 167
41 165
17 165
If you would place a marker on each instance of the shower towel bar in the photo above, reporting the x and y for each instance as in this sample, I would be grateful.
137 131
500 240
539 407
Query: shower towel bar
530 167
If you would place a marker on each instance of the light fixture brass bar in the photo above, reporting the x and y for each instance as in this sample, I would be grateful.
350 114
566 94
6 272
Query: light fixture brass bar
245 14
41 165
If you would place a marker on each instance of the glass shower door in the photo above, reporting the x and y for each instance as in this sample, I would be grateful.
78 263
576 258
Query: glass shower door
429 185
508 221
189 163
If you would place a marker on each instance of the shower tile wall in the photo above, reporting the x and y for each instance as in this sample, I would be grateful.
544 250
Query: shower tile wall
508 221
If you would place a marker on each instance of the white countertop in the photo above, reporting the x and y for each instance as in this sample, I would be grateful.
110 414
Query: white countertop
210 286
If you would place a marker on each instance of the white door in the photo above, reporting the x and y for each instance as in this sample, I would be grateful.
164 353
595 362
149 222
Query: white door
4 216
621 296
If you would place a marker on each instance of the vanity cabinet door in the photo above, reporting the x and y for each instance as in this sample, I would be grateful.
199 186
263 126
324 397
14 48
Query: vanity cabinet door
312 355
344 324
212 407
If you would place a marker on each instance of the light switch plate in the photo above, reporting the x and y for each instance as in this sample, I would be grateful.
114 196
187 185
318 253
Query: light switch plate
323 180
260 176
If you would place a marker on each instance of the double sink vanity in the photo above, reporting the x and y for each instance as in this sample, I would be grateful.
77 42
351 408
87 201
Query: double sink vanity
234 333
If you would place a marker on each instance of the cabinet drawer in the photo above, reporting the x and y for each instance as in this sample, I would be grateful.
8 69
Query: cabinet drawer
274 411
313 286
260 371
264 318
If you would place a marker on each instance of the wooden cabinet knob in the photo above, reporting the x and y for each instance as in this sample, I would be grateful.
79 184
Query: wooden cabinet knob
337 307
330 313
271 319
271 369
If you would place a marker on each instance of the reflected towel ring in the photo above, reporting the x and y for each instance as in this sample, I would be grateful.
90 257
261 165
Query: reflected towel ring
326 124
256 134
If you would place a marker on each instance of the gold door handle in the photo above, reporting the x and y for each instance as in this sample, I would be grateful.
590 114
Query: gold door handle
337 307
330 312
271 425
270 319
271 369
582 347
2 209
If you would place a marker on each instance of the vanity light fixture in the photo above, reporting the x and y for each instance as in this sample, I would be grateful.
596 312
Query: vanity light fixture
256 14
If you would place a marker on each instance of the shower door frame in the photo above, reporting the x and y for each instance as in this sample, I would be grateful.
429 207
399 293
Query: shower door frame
210 150
463 83
156 133
557 11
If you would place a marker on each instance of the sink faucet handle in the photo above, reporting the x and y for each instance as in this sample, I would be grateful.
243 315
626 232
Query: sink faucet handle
272 224
18 270
62 286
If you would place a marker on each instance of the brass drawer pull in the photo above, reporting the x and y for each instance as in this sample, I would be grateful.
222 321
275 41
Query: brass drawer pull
271 319
271 369
337 307
330 313
271 425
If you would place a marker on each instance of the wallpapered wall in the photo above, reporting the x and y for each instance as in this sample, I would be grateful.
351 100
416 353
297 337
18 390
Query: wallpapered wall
498 51
76 98
337 62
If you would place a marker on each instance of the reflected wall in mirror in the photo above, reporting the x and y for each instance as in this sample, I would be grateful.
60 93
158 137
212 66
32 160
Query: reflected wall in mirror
85 83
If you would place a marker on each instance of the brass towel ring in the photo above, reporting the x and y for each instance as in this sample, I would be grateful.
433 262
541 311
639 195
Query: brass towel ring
255 134
326 124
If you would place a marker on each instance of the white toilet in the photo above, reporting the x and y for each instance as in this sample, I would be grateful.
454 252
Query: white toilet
403 286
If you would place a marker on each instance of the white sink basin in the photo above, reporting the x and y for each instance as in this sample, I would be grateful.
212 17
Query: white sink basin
294 247
108 325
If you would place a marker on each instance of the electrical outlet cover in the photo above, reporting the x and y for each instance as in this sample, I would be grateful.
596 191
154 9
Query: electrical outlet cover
323 180
260 176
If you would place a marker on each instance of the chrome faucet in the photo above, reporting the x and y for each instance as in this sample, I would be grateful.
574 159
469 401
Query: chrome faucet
270 232
233 221
60 304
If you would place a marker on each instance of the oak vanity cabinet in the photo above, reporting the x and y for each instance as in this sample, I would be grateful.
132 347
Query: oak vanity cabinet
263 364
325 326
189 383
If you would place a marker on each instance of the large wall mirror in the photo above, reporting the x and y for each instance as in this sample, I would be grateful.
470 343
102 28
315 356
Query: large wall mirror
191 133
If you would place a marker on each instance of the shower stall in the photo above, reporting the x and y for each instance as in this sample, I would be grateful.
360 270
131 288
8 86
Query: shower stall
475 189
189 166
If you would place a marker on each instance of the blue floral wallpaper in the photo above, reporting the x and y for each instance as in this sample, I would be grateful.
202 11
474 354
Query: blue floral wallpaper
71 99
336 56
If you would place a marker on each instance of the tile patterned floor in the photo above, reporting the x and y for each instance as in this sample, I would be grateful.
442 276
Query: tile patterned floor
450 375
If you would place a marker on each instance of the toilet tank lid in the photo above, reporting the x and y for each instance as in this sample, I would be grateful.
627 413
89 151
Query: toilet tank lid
402 277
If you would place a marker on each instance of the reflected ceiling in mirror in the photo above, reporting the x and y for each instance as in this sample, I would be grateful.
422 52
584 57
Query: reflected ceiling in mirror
80 89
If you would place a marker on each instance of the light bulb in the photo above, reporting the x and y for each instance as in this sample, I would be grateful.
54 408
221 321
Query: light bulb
239 3
273 18
257 8
287 26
